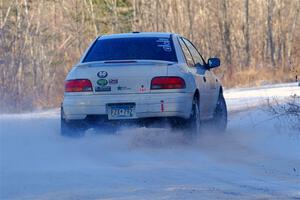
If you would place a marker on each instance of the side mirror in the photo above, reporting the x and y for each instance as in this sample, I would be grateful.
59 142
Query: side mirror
213 62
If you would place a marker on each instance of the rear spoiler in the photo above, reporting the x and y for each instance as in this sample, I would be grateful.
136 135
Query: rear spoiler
124 62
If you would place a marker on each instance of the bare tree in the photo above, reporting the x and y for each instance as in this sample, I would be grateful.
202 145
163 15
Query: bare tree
41 40
246 34
270 30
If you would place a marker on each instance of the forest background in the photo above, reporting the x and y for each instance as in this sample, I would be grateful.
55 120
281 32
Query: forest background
258 41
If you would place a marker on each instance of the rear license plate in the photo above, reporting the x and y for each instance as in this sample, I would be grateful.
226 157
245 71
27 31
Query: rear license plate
121 111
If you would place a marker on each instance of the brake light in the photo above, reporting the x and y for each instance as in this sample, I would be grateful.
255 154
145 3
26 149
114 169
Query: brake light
78 85
167 82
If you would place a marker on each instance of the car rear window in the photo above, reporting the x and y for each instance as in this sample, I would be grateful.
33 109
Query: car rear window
137 48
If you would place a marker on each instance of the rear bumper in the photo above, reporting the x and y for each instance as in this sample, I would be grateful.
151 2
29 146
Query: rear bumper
146 105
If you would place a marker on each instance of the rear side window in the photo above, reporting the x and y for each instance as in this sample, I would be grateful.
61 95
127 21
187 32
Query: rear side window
133 48
195 54
187 54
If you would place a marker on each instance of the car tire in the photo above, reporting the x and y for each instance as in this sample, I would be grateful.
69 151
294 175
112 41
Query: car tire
195 121
220 115
71 128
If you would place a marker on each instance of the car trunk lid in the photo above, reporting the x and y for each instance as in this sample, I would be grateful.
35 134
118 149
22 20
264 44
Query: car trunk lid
122 77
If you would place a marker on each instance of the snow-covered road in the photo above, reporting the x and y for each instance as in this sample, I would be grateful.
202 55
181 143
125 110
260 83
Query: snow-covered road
257 158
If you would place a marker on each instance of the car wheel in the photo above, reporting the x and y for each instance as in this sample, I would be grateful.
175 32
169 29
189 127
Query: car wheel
220 115
71 128
195 122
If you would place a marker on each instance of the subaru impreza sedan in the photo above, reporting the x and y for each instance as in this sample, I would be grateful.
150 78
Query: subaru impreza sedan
143 76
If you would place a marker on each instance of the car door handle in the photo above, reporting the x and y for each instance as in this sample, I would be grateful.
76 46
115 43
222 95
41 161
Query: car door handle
204 79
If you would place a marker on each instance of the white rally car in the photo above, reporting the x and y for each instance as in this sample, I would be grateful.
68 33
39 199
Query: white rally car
137 76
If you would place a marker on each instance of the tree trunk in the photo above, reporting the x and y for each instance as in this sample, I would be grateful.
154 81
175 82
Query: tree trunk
270 31
246 34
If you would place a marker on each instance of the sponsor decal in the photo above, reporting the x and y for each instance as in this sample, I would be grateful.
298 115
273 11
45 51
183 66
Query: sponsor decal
102 82
113 81
103 89
123 88
165 44
102 74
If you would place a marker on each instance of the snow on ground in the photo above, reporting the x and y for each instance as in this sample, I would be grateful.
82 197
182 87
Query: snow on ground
257 158
245 98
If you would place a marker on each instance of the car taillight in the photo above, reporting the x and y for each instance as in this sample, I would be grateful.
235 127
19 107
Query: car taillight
78 85
167 82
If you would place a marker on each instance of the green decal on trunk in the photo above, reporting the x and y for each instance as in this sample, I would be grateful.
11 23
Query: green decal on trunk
102 82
